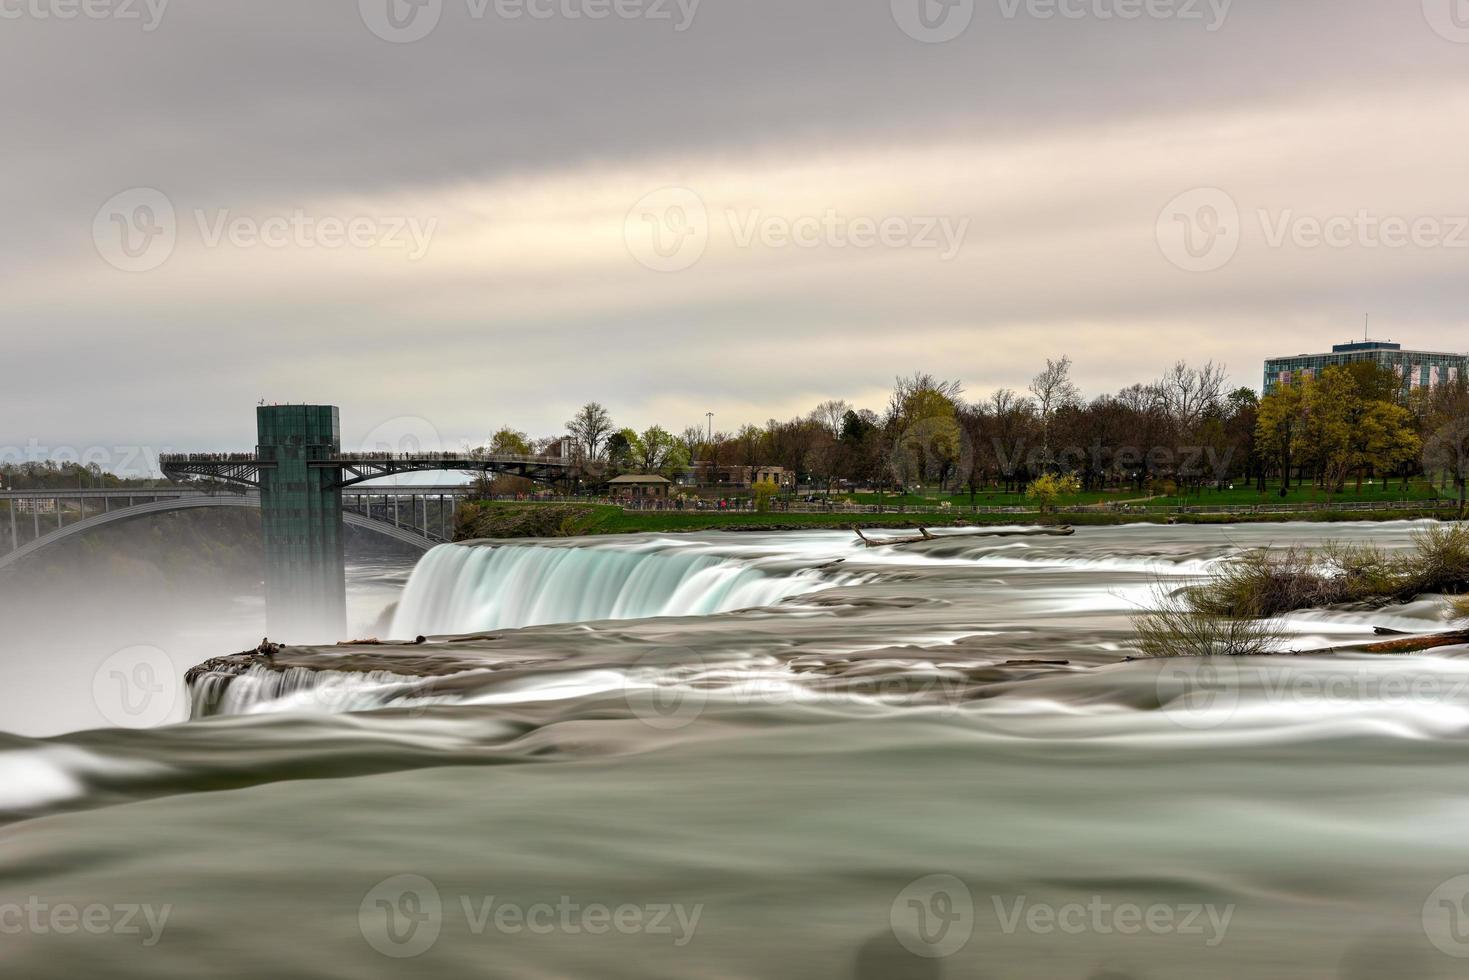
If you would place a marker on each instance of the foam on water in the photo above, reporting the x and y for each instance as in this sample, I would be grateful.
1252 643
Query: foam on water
42 777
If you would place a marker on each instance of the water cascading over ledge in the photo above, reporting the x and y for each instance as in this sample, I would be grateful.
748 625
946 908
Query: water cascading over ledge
471 588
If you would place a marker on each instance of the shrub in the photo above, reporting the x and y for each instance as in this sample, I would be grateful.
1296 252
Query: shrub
1048 490
765 491
1229 614
1174 628
1270 583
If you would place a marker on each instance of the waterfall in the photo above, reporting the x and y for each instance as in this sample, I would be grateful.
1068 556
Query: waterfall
305 691
471 588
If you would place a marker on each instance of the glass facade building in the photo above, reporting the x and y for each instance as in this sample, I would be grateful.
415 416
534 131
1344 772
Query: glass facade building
1416 369
301 518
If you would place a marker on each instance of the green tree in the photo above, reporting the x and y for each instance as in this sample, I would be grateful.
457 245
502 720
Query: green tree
510 442
1332 410
1280 429
621 452
654 449
1384 438
765 491
1048 489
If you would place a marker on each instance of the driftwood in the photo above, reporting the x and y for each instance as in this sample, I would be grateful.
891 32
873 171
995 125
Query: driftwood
1065 531
924 535
1415 644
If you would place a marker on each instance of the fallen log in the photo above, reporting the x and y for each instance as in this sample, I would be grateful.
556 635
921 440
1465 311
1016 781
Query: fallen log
1064 531
1415 644
924 535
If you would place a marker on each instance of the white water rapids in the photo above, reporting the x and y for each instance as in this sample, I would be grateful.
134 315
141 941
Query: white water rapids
814 745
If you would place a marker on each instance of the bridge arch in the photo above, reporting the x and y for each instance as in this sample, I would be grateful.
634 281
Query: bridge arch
402 535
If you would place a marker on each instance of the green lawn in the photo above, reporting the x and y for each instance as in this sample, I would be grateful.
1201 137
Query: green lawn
1378 491
984 499
507 520
1392 490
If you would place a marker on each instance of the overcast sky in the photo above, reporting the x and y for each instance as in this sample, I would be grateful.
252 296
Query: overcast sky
453 214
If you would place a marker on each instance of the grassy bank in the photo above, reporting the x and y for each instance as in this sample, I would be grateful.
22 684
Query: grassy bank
531 520
1247 496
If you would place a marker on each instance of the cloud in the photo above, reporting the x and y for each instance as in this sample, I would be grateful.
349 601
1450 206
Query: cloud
520 152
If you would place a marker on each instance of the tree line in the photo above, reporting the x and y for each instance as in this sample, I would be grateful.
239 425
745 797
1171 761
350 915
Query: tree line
1185 432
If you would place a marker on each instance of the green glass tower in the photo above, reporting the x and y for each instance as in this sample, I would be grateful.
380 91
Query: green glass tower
301 520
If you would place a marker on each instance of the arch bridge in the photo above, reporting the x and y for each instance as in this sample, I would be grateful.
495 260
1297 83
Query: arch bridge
417 516
307 490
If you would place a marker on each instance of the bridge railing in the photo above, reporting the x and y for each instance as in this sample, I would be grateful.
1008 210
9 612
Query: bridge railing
165 458
443 457
470 458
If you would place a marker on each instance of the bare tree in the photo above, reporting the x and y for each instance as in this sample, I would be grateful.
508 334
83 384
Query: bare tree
1053 390
1188 394
1446 447
831 416
590 427
691 440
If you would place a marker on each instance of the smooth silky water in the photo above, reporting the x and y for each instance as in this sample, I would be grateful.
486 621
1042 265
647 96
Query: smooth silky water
772 745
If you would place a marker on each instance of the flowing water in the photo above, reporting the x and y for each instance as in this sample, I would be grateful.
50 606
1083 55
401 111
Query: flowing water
762 756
